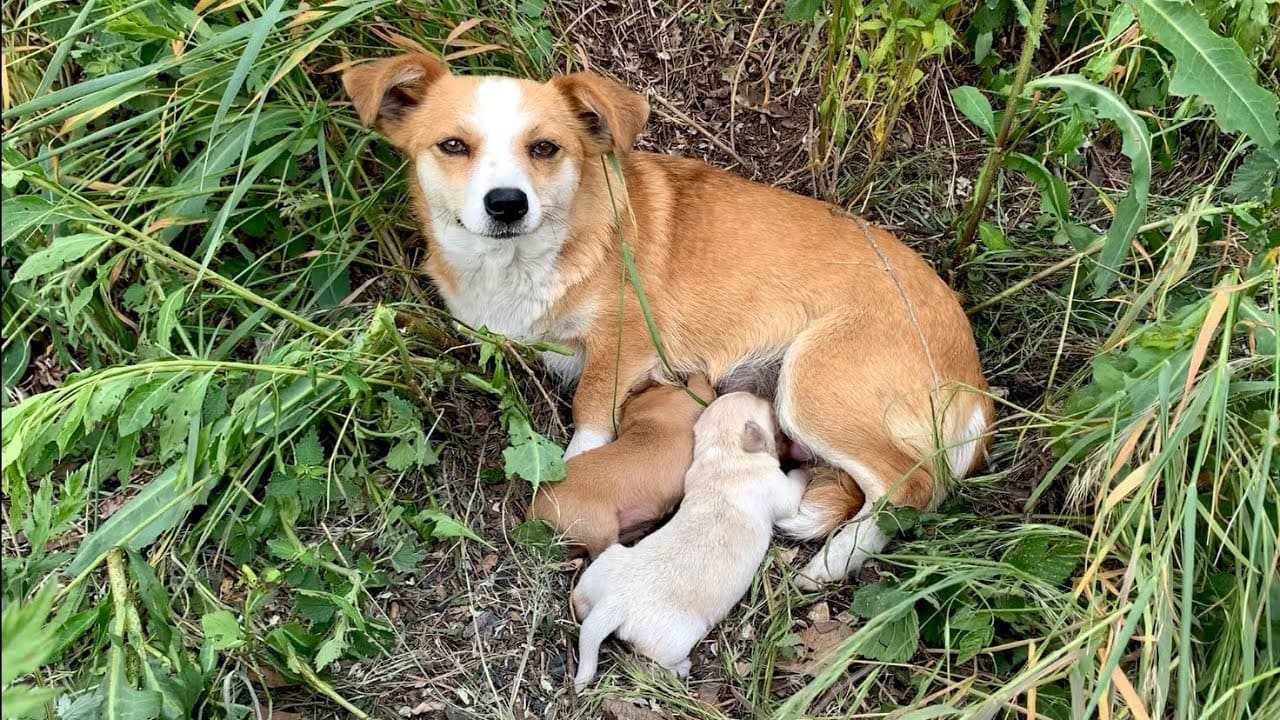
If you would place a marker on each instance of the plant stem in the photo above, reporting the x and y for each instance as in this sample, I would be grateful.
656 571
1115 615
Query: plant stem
986 179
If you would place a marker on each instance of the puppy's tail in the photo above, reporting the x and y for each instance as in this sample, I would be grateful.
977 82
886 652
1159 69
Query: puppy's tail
831 498
598 625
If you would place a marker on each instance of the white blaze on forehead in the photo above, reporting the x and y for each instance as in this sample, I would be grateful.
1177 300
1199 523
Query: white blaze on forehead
498 119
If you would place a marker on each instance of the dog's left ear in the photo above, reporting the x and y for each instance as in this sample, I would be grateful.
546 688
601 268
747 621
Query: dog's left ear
612 115
756 439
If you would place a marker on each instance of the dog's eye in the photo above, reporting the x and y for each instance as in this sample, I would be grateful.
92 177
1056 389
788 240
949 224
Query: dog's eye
453 146
544 149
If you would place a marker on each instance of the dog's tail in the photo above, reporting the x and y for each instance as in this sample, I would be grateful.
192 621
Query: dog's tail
603 619
831 498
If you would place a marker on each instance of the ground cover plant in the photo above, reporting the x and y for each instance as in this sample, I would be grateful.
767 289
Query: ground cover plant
251 469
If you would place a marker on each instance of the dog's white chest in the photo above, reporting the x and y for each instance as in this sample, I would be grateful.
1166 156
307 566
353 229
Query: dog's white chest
507 285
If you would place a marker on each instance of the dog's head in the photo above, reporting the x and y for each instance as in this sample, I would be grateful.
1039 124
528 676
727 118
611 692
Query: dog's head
497 157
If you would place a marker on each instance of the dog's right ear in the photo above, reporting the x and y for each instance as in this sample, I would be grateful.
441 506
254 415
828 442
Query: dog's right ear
383 91
756 439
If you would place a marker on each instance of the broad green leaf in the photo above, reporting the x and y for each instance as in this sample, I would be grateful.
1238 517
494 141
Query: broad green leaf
222 630
27 637
23 212
1136 145
974 105
1052 559
332 648
308 452
63 250
1256 178
536 459
992 237
1214 69
971 631
798 10
16 359
157 508
897 640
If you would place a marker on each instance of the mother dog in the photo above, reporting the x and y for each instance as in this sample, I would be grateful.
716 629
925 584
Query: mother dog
877 371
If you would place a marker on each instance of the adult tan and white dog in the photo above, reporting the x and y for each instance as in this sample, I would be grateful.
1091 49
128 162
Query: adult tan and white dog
875 364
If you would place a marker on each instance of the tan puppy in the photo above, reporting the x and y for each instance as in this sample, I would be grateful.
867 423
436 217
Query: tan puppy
634 480
664 594
525 215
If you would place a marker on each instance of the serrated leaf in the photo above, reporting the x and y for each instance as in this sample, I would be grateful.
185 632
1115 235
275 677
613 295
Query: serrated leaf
309 452
332 648
1136 145
406 556
1052 559
536 459
1214 69
976 108
971 631
63 250
1255 179
222 630
187 406
282 485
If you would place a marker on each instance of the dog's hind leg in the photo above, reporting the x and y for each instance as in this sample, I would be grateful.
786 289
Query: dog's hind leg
880 415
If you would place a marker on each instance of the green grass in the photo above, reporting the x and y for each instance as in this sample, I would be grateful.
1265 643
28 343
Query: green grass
250 466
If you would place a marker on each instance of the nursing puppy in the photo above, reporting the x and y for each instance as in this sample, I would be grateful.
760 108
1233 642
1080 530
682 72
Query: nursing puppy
525 216
634 480
666 592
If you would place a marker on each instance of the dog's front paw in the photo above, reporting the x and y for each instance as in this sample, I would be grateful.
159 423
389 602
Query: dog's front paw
818 572
585 439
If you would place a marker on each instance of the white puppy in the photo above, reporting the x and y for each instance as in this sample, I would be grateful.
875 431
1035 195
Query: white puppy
664 594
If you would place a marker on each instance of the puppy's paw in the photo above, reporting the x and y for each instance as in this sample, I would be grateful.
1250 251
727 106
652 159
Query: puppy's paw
682 668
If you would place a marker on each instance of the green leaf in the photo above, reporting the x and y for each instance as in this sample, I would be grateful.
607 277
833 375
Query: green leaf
65 249
992 237
332 648
168 319
107 396
157 508
1055 198
23 212
16 359
1052 559
537 535
897 640
142 403
974 105
445 526
27 638
1136 145
1214 69
309 452
1255 179
971 631
532 456
798 10
222 630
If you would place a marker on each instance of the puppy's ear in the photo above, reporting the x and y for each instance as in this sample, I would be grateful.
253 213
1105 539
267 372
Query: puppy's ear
383 91
756 439
612 116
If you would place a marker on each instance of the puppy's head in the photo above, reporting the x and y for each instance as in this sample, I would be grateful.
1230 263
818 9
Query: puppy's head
497 157
668 402
741 421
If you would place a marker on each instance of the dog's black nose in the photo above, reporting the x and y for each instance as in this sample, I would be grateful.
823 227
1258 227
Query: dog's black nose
506 204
